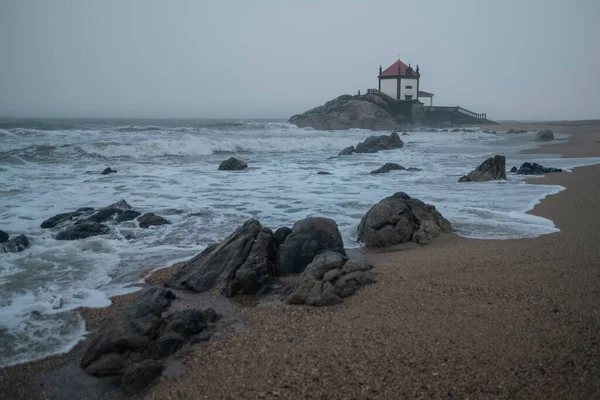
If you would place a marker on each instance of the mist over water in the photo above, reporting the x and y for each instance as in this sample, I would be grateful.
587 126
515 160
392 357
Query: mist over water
170 168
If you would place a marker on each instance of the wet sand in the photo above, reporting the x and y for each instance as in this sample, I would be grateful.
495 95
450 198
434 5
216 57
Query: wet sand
460 318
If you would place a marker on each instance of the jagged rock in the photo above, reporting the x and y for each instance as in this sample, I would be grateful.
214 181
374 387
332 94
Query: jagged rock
534 169
493 168
150 219
328 279
347 151
121 205
232 164
309 237
399 219
240 264
513 169
60 218
15 245
82 230
108 170
387 167
127 215
138 376
373 144
3 236
544 135
323 173
346 112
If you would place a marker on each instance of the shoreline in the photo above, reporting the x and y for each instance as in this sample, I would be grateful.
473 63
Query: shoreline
546 208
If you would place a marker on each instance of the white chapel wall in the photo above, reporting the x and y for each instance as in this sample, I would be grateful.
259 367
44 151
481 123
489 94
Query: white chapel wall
411 91
389 87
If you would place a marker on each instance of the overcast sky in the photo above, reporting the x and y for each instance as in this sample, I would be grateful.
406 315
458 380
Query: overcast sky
514 59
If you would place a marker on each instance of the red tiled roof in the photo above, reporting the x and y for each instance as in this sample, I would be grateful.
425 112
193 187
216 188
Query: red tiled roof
392 70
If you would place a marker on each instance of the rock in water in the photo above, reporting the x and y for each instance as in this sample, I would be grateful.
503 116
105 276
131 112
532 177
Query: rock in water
400 219
240 264
387 167
323 173
150 219
108 170
494 168
347 151
232 164
309 237
534 169
15 245
60 218
3 236
544 135
127 215
373 144
513 170
82 230
328 279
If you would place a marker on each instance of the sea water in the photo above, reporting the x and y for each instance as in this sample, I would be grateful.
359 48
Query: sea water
170 168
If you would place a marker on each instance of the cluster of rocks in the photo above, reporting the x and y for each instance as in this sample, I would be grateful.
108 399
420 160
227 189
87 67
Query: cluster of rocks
129 347
13 245
86 222
375 143
528 168
494 168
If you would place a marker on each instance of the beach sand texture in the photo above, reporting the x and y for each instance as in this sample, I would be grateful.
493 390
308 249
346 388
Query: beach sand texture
460 318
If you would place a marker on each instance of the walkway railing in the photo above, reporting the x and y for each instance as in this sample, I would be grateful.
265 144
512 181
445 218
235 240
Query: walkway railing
456 109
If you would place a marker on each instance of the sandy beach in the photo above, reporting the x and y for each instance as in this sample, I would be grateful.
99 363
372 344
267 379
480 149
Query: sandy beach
459 318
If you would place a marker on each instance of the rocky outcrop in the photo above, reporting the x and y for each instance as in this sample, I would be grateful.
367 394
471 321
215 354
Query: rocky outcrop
82 230
108 170
400 219
494 168
544 135
150 219
534 169
346 112
347 151
3 236
127 346
232 164
61 218
14 245
387 167
373 144
308 237
330 278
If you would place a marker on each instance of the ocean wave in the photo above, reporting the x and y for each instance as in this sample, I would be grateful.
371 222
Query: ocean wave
134 128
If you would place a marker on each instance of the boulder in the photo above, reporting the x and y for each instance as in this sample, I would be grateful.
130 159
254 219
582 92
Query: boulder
373 144
108 170
138 376
240 264
308 237
150 219
387 167
544 135
347 151
534 169
493 168
232 164
15 245
513 170
3 236
328 279
127 215
400 219
346 112
82 230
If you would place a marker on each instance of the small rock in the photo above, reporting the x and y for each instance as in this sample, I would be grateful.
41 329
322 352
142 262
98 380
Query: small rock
151 219
15 245
167 344
108 170
347 151
3 236
513 169
232 164
387 167
323 173
494 168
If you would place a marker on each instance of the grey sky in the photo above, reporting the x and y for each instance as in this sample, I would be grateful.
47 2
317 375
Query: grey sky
514 59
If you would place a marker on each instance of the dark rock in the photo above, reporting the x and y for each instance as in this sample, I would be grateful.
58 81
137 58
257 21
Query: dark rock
60 218
280 235
399 219
328 279
108 170
138 376
513 169
3 236
108 365
127 215
82 230
347 151
309 237
232 164
151 219
240 264
493 168
103 215
189 322
323 173
514 131
201 337
346 112
121 205
166 345
387 167
373 144
534 169
544 135
15 245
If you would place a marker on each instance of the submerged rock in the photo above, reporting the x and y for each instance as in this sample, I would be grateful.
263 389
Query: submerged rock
150 219
127 215
400 219
15 245
347 151
544 135
387 167
323 173
232 164
108 170
494 168
534 169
